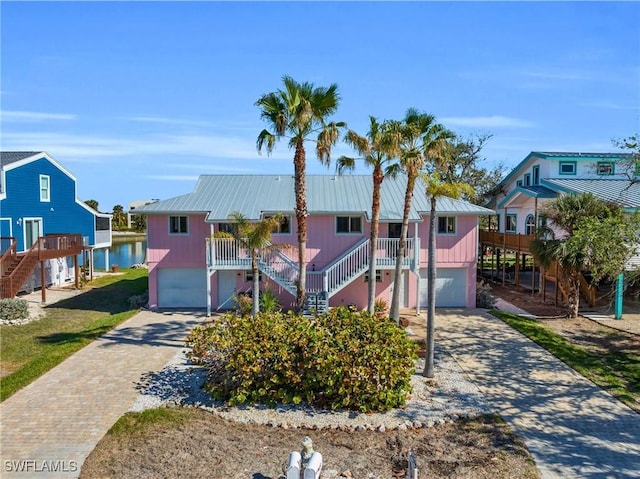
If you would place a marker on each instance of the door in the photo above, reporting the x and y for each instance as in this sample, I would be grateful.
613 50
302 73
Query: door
32 231
451 288
226 289
182 288
403 289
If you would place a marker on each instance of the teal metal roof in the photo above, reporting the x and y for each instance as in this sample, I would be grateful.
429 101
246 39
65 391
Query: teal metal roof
620 191
533 191
253 195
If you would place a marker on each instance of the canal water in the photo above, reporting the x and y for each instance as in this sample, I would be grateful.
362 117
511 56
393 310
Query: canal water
122 253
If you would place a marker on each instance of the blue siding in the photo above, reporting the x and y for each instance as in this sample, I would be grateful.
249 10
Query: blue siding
62 214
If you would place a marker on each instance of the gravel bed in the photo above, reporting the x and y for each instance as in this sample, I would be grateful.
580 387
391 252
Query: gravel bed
447 398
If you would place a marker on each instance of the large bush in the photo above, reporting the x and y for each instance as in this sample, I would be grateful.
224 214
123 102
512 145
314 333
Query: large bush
342 359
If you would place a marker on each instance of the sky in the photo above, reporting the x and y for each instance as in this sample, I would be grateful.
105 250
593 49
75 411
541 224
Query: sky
137 99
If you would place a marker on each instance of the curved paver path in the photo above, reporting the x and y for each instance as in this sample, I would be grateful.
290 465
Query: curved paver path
48 428
572 428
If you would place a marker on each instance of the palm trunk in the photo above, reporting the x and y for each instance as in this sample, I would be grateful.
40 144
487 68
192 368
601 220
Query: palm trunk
299 164
256 283
431 294
573 285
402 246
378 176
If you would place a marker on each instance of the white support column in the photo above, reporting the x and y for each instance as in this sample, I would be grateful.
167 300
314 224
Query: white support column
106 259
210 271
416 256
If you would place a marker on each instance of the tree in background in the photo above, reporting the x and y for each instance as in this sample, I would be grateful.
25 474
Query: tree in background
378 150
436 188
298 112
119 221
420 139
588 235
92 204
256 237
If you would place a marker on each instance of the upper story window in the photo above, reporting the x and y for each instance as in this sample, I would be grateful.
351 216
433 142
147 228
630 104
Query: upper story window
536 175
527 179
102 223
348 224
446 225
605 168
45 188
519 183
178 225
395 230
567 168
284 227
510 223
530 225
225 228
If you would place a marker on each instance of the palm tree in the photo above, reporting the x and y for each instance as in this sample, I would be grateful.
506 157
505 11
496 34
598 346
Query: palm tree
589 234
297 112
435 188
420 138
256 237
377 149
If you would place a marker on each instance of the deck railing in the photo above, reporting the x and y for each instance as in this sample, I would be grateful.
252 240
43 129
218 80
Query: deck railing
507 241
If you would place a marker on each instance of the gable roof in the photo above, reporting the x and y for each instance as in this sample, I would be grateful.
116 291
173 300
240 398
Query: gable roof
573 156
620 191
8 157
254 195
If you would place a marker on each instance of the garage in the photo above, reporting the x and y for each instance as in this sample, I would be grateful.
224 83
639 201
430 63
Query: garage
182 288
451 288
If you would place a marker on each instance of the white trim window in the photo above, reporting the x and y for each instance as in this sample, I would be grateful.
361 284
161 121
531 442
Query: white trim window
284 228
530 225
348 224
446 225
178 225
605 168
511 222
45 188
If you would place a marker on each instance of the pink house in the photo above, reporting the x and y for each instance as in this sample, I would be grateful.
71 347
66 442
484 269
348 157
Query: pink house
190 268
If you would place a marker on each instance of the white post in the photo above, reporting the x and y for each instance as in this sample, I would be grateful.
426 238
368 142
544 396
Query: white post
106 259
295 464
314 468
416 259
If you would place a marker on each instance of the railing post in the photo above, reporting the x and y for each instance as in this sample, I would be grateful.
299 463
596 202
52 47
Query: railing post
325 282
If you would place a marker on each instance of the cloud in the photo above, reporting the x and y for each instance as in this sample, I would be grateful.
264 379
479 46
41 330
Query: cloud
495 121
34 116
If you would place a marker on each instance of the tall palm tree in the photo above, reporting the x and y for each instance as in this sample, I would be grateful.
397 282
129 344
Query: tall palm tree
377 149
420 139
298 112
435 188
256 237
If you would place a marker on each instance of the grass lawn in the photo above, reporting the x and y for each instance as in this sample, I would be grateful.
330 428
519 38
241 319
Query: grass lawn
617 372
32 349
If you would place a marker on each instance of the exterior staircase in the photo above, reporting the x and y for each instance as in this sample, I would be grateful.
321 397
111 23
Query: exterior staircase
227 253
17 267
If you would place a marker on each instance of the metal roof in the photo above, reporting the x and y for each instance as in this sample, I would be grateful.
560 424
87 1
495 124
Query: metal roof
8 157
620 191
253 195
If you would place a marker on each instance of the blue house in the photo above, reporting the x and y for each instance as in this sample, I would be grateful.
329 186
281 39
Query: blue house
43 225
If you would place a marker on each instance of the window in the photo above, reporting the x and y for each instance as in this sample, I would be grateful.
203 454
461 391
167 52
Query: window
527 179
225 228
178 225
395 230
102 223
605 168
284 227
567 168
378 277
45 188
519 183
510 226
248 277
348 224
530 225
536 175
447 225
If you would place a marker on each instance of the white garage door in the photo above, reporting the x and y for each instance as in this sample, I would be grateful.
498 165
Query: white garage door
451 288
182 288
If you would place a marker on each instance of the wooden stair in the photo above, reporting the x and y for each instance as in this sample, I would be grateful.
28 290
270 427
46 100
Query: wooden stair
17 267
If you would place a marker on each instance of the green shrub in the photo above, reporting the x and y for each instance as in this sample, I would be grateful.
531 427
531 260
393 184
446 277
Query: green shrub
243 304
269 302
13 309
342 359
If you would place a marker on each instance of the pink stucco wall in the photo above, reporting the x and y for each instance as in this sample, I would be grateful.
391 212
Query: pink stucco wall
323 247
